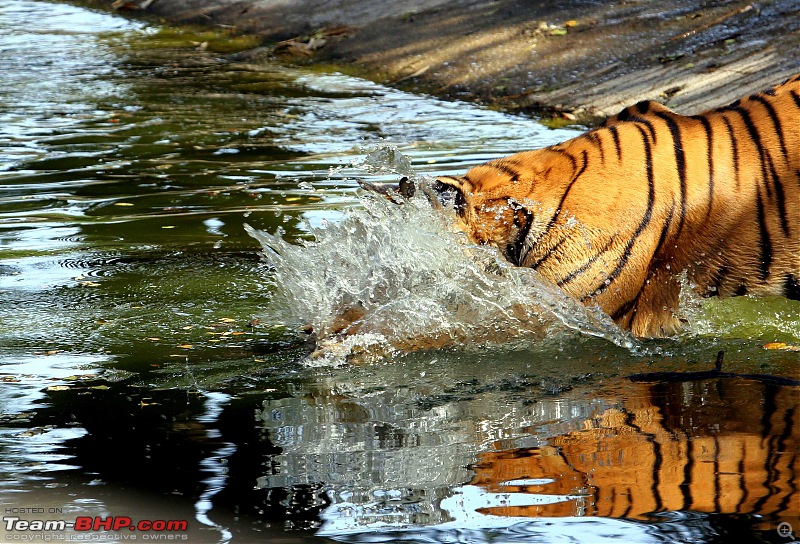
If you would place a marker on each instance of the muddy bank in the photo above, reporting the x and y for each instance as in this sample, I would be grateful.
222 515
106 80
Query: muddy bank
585 57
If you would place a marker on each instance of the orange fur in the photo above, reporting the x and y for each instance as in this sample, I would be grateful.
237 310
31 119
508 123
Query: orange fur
613 215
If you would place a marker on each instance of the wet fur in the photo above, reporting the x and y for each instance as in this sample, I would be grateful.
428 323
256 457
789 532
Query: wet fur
614 215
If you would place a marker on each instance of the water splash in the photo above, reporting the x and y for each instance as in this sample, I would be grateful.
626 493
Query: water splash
389 160
398 277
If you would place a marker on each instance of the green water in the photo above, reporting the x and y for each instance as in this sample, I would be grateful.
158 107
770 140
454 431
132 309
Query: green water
144 372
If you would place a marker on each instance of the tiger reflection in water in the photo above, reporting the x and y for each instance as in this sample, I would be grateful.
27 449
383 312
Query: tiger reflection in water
615 215
717 446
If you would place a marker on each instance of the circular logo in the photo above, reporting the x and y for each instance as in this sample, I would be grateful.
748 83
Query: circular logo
785 530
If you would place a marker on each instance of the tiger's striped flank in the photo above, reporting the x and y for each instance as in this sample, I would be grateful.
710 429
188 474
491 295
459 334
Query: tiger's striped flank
614 215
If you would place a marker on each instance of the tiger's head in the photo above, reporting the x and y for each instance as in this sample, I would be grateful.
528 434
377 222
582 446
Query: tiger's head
489 217
506 203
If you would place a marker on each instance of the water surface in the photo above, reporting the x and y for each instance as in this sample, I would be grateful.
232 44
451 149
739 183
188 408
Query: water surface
151 364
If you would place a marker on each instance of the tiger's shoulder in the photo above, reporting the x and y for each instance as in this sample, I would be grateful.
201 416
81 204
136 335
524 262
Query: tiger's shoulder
637 112
645 109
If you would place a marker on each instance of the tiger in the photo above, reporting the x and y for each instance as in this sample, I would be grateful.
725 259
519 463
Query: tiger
642 455
616 215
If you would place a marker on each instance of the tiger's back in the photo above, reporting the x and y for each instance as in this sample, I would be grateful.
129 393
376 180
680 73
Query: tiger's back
613 215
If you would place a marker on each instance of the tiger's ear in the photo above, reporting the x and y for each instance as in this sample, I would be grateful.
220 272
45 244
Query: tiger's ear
448 192
406 187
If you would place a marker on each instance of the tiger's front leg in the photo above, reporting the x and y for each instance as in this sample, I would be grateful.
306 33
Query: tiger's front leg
654 313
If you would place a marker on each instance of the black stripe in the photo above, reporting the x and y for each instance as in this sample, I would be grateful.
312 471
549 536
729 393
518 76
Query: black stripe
599 497
710 160
768 171
741 471
658 460
680 162
514 161
595 139
625 307
741 290
717 278
546 256
513 173
734 150
523 223
627 496
788 419
617 145
550 224
451 194
733 105
651 195
568 155
773 115
558 211
686 485
643 106
766 242
756 138
577 174
630 115
585 266
665 231
791 287
779 197
796 97
768 437
647 123
624 115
